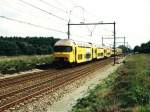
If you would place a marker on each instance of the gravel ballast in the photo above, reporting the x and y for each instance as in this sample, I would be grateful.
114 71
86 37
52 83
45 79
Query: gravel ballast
64 98
69 100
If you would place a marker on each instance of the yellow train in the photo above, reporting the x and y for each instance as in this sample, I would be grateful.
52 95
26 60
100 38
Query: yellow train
70 51
118 51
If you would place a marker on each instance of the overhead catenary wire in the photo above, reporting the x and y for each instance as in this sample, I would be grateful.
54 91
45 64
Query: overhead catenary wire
47 3
61 4
91 31
74 4
43 10
31 24
83 14
27 3
60 9
15 8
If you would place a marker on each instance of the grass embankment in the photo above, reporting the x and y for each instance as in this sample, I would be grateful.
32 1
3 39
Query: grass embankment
9 65
126 90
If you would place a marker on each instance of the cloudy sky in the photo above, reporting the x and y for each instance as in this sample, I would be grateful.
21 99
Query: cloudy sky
50 17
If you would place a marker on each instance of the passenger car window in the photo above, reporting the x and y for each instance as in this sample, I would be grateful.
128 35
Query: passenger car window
79 56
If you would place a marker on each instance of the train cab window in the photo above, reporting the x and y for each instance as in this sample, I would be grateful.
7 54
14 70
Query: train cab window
62 48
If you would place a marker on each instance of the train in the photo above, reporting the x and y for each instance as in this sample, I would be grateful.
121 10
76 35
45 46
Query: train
68 51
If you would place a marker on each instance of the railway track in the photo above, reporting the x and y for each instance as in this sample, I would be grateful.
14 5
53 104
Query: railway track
23 78
47 81
36 78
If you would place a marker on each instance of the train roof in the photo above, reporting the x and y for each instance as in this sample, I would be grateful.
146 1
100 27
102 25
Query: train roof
99 46
64 42
84 44
69 42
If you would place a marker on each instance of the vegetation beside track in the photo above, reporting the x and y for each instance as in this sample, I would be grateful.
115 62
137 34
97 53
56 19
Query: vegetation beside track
143 48
13 64
15 46
126 90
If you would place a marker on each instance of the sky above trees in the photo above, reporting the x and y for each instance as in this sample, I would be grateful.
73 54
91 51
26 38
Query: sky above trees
131 16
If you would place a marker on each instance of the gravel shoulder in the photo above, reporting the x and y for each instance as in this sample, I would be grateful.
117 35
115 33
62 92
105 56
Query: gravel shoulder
65 104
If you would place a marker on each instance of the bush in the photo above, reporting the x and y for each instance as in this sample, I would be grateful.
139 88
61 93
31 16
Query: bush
26 63
126 89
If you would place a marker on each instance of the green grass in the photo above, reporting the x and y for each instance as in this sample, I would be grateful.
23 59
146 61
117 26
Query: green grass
14 64
126 90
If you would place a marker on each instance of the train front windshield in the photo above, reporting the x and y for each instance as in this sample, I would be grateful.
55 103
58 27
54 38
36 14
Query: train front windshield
62 48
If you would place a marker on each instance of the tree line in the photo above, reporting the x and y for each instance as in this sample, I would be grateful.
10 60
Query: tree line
144 48
125 49
11 46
